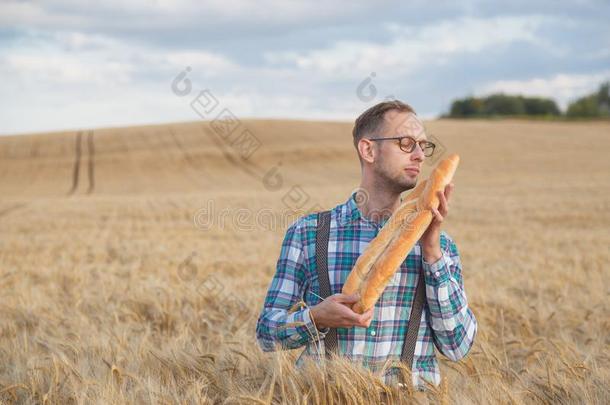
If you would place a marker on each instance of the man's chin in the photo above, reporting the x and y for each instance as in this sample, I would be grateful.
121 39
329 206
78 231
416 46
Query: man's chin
411 182
409 186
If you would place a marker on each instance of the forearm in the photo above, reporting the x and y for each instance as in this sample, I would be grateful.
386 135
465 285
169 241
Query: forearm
277 327
452 320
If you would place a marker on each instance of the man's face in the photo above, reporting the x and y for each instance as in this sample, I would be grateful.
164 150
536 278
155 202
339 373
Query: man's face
397 169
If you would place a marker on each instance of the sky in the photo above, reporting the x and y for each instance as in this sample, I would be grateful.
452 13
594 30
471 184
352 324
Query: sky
69 64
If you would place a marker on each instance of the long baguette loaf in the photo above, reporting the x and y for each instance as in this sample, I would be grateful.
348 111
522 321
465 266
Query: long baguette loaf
378 244
384 254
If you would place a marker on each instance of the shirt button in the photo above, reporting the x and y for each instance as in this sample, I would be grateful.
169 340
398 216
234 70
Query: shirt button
437 274
373 333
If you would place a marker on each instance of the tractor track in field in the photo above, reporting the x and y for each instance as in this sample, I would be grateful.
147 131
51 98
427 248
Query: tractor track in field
78 164
91 162
196 168
187 156
248 168
77 157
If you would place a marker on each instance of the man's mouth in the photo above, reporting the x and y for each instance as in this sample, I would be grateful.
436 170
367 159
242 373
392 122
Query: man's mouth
414 170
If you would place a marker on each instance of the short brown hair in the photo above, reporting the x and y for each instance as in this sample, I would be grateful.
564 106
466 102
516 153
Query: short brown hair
372 120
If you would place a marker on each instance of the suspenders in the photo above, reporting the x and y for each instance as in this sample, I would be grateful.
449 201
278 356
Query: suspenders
408 347
330 341
322 232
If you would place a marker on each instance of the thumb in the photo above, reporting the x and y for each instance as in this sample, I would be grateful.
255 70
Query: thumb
350 298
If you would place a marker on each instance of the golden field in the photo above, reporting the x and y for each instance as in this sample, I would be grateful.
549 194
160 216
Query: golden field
134 262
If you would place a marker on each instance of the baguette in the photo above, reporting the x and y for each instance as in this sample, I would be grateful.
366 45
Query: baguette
376 246
384 254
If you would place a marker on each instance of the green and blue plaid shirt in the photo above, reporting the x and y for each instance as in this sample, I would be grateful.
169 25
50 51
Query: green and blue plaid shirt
447 321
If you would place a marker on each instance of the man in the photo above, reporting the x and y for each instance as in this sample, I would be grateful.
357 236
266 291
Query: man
389 167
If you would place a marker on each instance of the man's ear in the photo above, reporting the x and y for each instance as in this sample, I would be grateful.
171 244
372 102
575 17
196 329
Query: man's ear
366 149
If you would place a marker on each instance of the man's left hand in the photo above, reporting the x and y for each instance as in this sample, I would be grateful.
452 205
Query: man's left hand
431 239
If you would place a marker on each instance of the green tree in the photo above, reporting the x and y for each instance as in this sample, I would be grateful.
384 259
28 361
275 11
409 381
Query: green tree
540 106
501 104
592 105
467 107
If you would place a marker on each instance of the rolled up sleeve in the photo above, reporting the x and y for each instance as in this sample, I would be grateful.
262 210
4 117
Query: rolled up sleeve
283 323
452 321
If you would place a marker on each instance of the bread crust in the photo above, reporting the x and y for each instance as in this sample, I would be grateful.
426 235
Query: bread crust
384 254
377 245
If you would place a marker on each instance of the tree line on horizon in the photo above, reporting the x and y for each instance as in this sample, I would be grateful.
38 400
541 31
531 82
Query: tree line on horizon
594 105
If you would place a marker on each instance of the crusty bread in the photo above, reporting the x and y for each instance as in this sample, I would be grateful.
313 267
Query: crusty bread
440 177
384 254
385 235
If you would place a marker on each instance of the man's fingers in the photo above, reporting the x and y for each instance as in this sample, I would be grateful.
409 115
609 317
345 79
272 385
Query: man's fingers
443 205
348 299
353 318
362 318
367 321
437 214
449 191
366 317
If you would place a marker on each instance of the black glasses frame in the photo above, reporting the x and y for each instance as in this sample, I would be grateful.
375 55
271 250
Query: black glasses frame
424 145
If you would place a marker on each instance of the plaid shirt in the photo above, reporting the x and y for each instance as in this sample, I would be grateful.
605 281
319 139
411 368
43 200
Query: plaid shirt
447 321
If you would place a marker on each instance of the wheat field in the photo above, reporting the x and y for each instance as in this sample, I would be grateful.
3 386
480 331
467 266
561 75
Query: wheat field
134 262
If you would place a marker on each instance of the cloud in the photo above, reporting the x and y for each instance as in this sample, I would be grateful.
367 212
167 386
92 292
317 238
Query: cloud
67 69
412 49
73 79
77 58
74 64
145 19
561 87
209 63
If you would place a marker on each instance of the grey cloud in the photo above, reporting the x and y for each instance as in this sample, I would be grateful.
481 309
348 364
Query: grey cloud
576 39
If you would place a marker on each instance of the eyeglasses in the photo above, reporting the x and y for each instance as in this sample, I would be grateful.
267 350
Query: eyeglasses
407 144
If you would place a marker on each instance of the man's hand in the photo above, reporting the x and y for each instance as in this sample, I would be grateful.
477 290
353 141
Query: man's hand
336 312
431 239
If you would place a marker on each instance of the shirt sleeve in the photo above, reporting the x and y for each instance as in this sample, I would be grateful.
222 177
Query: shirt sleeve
453 322
283 324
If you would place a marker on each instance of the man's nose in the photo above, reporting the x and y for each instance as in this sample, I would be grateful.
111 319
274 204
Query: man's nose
418 153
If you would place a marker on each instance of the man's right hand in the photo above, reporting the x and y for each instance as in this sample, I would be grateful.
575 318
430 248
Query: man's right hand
336 312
